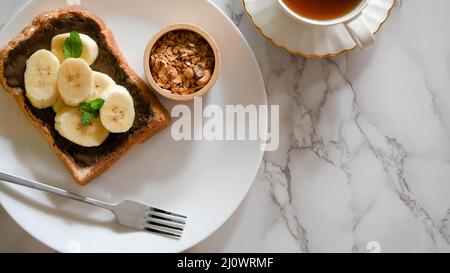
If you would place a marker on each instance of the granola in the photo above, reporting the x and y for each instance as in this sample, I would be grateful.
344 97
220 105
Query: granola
182 61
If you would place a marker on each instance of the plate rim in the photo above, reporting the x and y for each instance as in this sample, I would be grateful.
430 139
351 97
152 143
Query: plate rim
188 246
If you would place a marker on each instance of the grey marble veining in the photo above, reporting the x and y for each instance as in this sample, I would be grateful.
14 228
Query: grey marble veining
364 150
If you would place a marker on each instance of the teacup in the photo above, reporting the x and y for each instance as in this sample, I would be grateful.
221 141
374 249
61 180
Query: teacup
354 22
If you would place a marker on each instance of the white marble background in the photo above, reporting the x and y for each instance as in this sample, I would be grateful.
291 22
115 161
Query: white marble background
365 145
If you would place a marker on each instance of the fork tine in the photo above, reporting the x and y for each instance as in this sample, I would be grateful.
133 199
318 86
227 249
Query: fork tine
164 222
168 230
167 222
167 212
160 216
162 232
165 225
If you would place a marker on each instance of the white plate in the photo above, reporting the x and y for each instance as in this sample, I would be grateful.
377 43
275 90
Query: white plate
307 40
204 180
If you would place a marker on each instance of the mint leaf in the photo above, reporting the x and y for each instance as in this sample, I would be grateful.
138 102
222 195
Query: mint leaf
85 106
73 47
86 118
90 110
96 114
96 104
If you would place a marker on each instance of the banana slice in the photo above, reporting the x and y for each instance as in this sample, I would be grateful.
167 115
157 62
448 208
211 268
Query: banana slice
68 124
75 81
41 78
117 114
90 48
101 82
59 105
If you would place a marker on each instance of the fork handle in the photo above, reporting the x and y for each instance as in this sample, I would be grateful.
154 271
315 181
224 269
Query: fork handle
50 189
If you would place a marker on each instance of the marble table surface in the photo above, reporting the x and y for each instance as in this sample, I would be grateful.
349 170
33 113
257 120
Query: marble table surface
364 156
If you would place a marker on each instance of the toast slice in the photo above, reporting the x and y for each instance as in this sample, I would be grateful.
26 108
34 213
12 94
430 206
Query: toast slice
84 164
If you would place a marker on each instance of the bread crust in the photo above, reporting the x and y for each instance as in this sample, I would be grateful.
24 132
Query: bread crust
83 175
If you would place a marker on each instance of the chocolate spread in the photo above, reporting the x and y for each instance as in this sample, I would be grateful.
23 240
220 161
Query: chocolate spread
14 68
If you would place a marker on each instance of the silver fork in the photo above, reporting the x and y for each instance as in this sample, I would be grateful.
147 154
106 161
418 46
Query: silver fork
128 213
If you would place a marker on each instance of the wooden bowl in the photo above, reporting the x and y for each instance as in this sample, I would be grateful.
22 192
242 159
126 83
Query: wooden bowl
168 93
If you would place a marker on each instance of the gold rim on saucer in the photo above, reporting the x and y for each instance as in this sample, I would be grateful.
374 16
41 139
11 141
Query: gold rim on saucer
258 28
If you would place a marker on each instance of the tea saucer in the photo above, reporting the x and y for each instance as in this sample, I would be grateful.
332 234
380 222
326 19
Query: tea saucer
310 41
